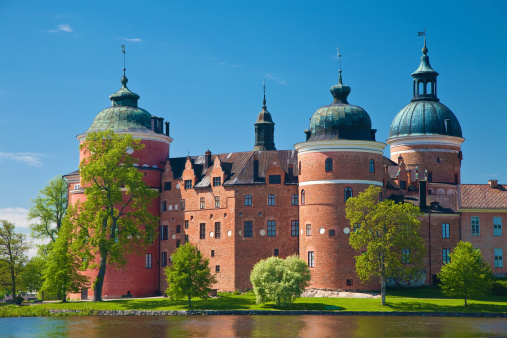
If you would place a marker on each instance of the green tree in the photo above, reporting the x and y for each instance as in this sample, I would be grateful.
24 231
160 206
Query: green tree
114 220
385 229
48 209
61 274
32 276
280 280
13 250
189 274
467 275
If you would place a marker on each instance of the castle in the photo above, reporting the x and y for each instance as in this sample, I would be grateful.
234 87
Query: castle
239 208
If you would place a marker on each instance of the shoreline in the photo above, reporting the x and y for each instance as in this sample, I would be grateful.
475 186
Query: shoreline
276 313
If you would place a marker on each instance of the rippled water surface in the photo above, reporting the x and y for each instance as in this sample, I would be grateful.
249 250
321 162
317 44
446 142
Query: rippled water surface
244 326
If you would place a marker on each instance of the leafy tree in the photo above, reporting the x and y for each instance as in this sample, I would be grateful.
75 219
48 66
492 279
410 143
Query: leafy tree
114 220
13 249
189 274
280 280
61 274
49 208
32 276
384 229
467 275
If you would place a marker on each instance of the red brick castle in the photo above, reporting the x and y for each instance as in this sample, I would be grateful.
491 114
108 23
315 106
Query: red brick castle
239 208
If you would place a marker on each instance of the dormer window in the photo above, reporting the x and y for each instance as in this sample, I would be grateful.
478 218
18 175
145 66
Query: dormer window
188 184
275 179
217 181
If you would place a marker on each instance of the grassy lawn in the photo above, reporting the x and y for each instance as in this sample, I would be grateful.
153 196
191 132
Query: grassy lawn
421 299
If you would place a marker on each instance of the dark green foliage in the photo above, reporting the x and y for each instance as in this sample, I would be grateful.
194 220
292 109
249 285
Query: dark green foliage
499 288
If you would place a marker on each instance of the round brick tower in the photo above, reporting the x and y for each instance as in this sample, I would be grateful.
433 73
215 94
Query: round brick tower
426 134
137 277
339 160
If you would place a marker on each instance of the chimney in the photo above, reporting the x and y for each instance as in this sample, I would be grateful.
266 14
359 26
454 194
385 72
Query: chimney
493 184
166 128
256 168
160 125
207 159
154 123
409 176
422 195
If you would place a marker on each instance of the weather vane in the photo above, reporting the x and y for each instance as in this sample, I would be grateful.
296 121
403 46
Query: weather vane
123 51
339 57
423 33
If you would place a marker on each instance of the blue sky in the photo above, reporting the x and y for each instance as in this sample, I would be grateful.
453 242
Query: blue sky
200 65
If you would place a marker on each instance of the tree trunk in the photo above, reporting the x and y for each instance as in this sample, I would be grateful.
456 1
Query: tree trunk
99 282
189 302
383 290
64 300
465 301
13 278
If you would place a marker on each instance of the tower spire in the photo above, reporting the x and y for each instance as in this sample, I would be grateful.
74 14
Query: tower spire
264 127
264 100
340 61
123 51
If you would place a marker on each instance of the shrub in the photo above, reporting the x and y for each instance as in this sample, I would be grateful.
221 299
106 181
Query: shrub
499 288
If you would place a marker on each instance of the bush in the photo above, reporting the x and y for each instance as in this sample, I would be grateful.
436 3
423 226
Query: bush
499 288
18 300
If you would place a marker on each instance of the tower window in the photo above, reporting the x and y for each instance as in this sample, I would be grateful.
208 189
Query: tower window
311 259
188 184
308 230
348 193
202 231
218 227
217 181
299 168
329 165
303 197
372 166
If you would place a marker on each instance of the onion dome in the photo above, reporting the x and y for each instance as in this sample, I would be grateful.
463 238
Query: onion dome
340 120
425 115
124 115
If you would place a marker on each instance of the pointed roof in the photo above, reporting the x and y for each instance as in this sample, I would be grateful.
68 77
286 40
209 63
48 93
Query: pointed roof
425 67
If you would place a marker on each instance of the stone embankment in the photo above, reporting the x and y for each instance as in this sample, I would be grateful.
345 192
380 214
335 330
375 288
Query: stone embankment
277 313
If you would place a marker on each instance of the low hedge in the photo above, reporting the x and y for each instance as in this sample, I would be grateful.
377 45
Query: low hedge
499 288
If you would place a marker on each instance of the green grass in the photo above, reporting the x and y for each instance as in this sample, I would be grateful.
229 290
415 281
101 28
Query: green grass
397 300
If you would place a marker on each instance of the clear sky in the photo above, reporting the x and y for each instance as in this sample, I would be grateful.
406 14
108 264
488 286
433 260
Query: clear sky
200 65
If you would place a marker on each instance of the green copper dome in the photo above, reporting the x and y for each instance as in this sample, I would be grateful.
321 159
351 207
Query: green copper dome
124 115
340 120
425 115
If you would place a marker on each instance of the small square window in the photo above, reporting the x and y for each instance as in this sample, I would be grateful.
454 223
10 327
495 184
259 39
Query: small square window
332 232
276 253
217 181
349 282
188 184
167 186
217 268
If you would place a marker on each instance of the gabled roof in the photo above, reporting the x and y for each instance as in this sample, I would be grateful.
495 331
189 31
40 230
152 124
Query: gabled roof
482 196
239 166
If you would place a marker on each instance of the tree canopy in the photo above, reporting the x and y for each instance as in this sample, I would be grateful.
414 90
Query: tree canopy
388 233
189 274
13 249
114 220
467 275
48 209
280 280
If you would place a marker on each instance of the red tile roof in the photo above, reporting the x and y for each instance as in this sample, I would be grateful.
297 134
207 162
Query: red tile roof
482 196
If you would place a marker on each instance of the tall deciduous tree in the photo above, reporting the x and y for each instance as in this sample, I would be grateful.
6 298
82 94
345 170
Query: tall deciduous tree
389 233
114 220
48 209
280 280
467 275
189 275
13 250
61 274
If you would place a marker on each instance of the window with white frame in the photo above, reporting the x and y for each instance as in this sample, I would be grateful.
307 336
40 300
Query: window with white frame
497 226
475 226
498 258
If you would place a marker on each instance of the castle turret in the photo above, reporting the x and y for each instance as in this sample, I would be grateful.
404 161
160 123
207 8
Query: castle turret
339 160
264 129
427 133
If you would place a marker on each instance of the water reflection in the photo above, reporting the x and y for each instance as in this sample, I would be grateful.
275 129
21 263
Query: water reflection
245 326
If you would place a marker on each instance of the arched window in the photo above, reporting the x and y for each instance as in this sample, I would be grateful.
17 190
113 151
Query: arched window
420 89
348 193
303 197
372 166
164 206
430 191
329 165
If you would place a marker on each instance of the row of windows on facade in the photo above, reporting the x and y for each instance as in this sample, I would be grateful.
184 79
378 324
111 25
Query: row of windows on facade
476 226
497 252
248 200
329 166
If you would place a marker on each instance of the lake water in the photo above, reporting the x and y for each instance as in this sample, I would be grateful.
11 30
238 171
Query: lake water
245 326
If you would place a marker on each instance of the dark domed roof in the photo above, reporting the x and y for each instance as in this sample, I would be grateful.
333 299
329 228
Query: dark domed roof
124 115
425 118
341 120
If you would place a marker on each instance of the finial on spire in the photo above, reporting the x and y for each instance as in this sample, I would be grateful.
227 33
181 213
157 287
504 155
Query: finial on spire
423 33
123 51
264 101
340 71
